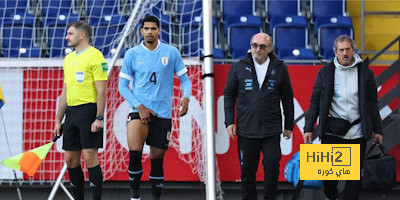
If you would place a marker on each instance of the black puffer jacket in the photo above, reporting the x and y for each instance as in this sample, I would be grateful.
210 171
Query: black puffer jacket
258 111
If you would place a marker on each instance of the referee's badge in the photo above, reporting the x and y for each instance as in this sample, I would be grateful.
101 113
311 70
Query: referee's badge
164 60
80 76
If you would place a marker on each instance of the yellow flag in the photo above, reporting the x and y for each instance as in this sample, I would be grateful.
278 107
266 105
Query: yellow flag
2 100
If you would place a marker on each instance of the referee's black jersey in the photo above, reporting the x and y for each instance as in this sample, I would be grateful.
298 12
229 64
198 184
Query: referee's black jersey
258 110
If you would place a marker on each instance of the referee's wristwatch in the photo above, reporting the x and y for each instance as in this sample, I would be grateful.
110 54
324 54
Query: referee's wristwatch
100 117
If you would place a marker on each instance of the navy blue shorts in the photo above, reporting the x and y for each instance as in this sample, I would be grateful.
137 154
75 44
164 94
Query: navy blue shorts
159 131
77 132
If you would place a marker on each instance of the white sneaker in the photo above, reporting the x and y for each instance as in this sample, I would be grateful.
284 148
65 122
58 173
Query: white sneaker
135 198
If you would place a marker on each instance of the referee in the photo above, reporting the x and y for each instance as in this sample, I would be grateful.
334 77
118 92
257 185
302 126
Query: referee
82 101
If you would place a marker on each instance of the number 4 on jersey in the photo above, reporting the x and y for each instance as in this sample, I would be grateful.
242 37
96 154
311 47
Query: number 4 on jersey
153 78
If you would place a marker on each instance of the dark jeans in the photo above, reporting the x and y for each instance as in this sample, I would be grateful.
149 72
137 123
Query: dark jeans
353 187
249 155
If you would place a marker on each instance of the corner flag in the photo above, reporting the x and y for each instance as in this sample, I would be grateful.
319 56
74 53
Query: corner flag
2 100
29 162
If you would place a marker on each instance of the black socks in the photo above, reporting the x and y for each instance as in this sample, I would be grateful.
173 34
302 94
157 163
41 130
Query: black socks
135 172
77 181
96 182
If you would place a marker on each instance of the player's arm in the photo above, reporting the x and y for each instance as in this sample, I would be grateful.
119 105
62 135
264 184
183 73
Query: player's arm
125 91
125 77
186 90
101 86
181 72
62 107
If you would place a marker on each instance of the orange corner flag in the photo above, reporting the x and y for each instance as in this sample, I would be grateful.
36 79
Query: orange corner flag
28 162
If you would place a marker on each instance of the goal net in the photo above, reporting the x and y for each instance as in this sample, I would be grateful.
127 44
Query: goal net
33 47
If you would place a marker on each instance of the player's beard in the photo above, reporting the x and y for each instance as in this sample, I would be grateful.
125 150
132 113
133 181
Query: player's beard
150 42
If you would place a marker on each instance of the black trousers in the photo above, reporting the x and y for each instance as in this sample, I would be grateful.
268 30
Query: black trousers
249 156
353 187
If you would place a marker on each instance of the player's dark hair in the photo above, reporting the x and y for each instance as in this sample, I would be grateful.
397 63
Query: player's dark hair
151 18
81 26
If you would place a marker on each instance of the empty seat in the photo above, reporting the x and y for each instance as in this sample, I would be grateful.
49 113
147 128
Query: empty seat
192 38
18 33
107 31
55 32
327 8
166 29
289 32
282 8
188 10
53 8
329 28
240 31
237 8
12 7
98 8
296 54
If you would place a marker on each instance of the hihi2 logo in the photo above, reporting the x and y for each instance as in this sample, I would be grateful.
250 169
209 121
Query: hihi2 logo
329 162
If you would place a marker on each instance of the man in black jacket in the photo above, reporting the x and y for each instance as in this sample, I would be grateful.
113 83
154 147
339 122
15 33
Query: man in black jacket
258 83
345 89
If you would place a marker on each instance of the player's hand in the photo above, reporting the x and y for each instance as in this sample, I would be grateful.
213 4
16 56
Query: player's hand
287 134
97 125
307 137
57 129
231 130
378 139
144 114
184 106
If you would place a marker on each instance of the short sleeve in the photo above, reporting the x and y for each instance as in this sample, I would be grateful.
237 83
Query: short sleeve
99 66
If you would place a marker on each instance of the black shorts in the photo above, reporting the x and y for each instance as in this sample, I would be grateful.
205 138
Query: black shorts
77 132
159 131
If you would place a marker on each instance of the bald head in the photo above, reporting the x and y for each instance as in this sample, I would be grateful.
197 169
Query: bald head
261 46
262 36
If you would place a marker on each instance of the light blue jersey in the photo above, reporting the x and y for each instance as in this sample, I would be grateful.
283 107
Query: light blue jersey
153 75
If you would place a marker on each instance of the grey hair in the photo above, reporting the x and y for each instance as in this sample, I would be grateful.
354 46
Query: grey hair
343 38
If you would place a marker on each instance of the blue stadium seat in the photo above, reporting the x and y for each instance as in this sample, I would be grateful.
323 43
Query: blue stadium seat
99 8
192 38
18 33
240 31
53 8
237 8
289 32
187 10
296 54
106 30
12 7
166 29
282 8
103 7
55 32
321 8
329 28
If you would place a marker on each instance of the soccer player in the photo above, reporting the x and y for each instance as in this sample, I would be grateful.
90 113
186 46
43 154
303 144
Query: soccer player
82 101
152 65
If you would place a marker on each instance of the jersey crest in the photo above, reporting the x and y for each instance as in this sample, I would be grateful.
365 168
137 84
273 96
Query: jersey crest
164 60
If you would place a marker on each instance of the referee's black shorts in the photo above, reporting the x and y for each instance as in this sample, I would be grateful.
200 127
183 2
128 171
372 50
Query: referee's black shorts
77 132
159 131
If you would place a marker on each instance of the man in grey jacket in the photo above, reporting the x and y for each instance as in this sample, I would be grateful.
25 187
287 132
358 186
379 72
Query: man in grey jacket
345 89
